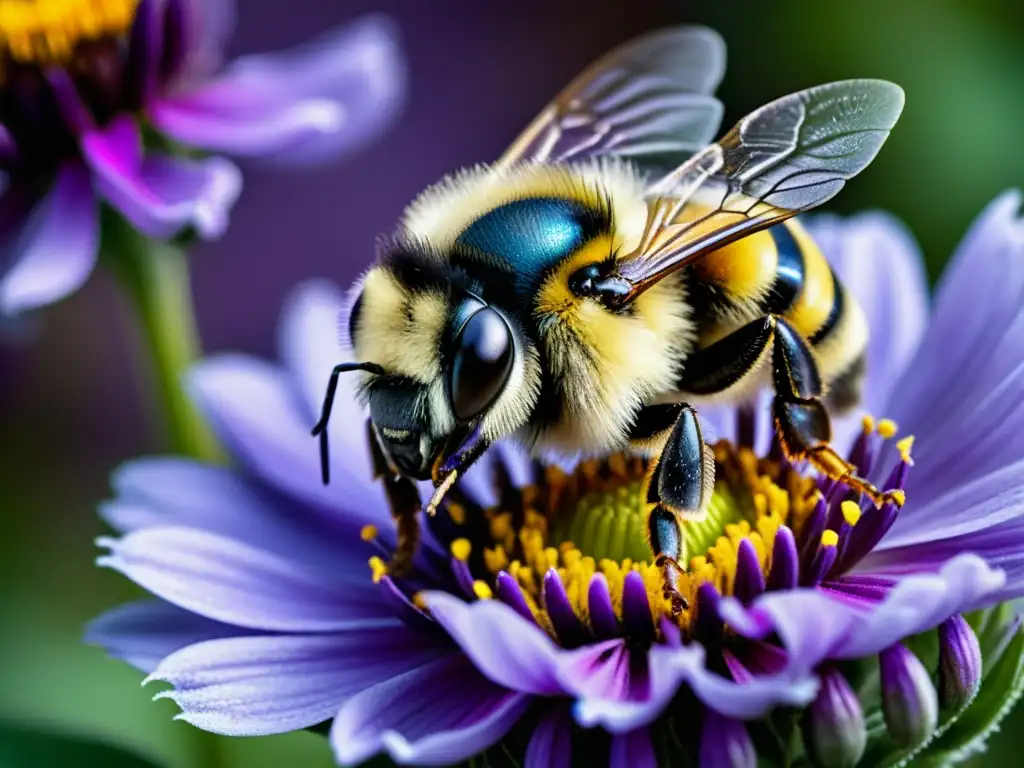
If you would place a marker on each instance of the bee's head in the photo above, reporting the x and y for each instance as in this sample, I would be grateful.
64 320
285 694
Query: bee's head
447 369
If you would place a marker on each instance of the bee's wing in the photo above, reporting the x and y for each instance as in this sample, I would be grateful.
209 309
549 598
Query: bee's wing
786 157
648 99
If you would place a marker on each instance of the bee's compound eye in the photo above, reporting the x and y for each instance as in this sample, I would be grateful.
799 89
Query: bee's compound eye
481 364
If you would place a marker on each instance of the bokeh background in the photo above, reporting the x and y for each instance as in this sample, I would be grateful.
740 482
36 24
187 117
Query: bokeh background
70 403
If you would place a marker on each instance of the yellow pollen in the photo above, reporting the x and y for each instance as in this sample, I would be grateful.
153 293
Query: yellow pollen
851 512
47 31
482 590
899 497
461 549
904 447
868 424
419 601
592 522
368 533
887 429
457 513
829 538
378 568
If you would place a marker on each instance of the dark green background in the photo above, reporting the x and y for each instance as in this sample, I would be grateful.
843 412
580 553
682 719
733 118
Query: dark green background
69 403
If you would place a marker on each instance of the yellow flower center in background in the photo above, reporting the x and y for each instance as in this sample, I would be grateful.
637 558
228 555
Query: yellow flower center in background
594 521
47 31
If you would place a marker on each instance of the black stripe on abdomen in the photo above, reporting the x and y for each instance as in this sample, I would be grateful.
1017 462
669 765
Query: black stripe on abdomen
789 273
835 314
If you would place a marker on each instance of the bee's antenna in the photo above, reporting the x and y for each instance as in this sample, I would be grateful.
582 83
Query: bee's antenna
325 413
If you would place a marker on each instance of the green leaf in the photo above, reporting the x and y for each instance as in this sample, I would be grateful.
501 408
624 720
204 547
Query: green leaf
1001 690
25 748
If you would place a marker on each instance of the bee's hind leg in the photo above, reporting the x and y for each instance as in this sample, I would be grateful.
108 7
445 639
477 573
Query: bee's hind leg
801 421
679 486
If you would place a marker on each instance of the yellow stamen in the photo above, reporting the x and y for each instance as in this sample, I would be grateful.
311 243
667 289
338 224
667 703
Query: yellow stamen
419 601
887 429
829 538
47 31
495 559
868 424
904 446
899 497
461 549
851 512
457 513
378 568
368 532
482 590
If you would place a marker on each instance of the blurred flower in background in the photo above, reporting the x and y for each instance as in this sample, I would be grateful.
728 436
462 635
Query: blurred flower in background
117 102
268 619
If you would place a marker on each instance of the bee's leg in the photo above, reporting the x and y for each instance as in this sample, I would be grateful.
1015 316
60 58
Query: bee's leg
679 486
801 421
404 501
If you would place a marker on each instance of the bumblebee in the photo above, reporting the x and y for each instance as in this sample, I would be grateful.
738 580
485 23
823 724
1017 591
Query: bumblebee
614 268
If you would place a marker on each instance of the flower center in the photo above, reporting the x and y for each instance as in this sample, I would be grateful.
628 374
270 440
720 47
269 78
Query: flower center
47 31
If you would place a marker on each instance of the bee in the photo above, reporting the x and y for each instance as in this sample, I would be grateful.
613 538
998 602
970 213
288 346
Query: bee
615 267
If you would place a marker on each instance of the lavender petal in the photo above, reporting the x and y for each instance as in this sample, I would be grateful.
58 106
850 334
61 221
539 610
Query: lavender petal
253 409
634 749
551 742
56 248
603 621
438 714
203 28
326 98
570 630
160 194
145 632
504 646
264 684
235 583
145 48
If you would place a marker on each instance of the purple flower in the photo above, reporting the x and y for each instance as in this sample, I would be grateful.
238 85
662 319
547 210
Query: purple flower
268 618
98 98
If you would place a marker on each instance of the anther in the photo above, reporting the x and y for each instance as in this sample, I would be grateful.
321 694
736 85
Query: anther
887 428
868 424
419 601
368 533
829 538
457 513
851 512
461 549
904 446
378 568
482 590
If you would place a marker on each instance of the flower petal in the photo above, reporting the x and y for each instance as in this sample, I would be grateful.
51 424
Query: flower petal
878 261
256 412
143 633
253 686
439 714
634 749
968 425
232 582
203 28
838 629
327 97
56 248
670 668
172 491
505 647
551 743
161 194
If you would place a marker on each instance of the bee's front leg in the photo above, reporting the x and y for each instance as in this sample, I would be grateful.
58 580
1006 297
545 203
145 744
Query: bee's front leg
679 486
404 501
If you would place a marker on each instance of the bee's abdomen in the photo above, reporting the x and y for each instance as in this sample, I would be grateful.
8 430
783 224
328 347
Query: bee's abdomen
779 271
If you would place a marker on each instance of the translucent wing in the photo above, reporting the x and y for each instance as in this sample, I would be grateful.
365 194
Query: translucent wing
788 156
649 99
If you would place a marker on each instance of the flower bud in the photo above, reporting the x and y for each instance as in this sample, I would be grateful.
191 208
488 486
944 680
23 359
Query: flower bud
959 663
725 743
834 732
909 701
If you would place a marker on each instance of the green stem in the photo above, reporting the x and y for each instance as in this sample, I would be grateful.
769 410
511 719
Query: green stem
155 276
